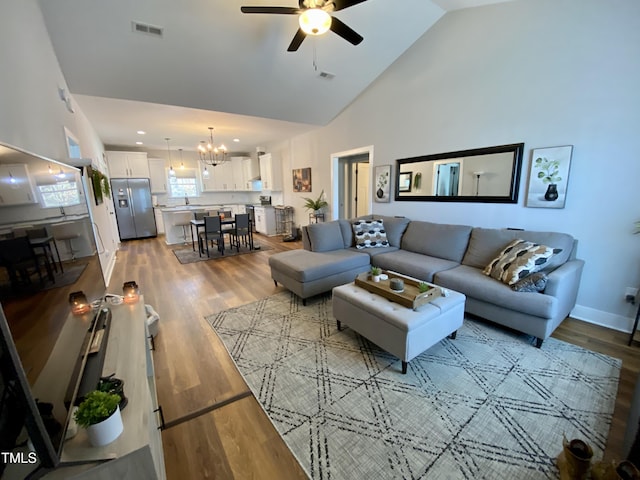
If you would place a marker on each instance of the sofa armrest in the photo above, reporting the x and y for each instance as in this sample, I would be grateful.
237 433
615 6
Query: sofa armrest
563 284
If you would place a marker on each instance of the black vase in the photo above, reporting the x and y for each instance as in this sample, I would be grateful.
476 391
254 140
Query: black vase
380 193
552 192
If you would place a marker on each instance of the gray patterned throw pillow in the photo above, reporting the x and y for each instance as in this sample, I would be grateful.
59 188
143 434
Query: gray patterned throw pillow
370 234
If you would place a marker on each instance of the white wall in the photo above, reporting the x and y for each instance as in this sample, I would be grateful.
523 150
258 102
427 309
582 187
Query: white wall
32 116
546 73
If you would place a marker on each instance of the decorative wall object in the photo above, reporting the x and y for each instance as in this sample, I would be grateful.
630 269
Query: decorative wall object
100 184
382 177
549 176
453 176
404 181
302 179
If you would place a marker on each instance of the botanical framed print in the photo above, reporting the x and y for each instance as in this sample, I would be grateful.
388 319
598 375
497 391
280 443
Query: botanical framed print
382 178
404 181
549 176
302 179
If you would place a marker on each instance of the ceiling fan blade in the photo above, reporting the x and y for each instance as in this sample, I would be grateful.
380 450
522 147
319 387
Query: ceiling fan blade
297 41
346 32
277 10
342 4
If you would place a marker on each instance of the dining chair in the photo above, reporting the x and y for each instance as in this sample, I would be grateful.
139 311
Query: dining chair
39 238
66 231
212 234
17 256
182 219
224 215
241 231
199 214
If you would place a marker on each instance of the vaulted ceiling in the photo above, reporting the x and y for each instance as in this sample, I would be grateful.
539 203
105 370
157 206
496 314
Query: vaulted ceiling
215 66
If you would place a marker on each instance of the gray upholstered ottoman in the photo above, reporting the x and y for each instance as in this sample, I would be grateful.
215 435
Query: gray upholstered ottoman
404 332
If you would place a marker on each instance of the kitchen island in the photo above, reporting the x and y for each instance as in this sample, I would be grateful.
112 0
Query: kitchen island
174 233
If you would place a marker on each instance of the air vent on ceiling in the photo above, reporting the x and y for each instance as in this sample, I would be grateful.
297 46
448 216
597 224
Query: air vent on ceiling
148 29
326 75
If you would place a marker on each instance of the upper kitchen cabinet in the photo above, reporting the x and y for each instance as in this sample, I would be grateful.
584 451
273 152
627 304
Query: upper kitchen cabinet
15 185
250 172
158 175
270 172
128 164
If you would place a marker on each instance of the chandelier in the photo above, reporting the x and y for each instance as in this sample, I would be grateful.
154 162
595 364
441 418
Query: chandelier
210 154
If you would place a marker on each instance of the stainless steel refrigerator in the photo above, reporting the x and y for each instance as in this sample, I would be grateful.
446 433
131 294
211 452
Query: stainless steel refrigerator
134 210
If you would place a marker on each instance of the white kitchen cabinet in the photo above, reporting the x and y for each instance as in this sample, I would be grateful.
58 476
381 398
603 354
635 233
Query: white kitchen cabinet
128 164
250 172
223 177
159 220
265 218
158 175
15 185
270 172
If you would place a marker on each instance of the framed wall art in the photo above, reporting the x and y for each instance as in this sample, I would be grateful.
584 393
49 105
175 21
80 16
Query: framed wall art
382 178
549 176
302 179
404 181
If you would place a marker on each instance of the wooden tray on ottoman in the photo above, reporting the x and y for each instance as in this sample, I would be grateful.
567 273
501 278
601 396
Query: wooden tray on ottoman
410 297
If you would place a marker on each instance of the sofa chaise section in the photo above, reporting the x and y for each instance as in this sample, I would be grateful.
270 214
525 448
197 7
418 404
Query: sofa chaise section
308 273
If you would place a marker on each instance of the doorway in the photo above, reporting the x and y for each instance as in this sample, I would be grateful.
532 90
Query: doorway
351 181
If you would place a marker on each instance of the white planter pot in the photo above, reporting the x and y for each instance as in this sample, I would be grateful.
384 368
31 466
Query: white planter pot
375 278
106 431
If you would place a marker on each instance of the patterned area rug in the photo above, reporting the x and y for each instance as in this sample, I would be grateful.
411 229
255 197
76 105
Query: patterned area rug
187 255
485 405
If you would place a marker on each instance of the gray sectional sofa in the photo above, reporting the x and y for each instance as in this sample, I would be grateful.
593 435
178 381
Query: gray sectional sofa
452 256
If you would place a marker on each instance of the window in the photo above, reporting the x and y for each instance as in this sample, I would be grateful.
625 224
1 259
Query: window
62 193
184 183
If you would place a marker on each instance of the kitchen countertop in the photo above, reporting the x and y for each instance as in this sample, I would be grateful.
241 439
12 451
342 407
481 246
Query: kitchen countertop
6 227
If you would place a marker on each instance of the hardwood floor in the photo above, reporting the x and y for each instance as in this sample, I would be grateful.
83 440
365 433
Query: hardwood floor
216 428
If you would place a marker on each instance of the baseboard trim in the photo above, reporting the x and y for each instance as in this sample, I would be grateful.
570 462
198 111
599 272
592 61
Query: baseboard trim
604 319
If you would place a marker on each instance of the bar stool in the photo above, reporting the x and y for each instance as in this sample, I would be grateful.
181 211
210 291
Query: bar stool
182 219
67 232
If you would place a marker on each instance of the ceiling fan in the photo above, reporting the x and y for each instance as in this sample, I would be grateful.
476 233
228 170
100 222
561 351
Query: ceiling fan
314 19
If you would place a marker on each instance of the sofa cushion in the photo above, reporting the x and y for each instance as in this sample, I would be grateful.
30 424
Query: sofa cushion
518 260
325 237
305 266
415 265
437 239
370 234
474 284
347 233
485 243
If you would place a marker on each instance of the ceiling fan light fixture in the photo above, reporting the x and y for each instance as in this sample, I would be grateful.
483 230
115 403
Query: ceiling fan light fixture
314 21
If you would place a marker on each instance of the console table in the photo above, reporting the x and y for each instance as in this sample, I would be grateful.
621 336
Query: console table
137 452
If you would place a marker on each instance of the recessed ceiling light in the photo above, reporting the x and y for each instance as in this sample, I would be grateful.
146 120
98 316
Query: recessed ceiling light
141 132
139 143
236 140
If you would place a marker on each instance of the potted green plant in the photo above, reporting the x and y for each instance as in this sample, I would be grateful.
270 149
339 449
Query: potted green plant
423 287
99 414
375 273
548 171
316 204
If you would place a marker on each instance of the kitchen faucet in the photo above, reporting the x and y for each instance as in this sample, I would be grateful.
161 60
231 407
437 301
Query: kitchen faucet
186 200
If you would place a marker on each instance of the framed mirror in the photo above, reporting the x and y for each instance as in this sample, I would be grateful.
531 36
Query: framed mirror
485 175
